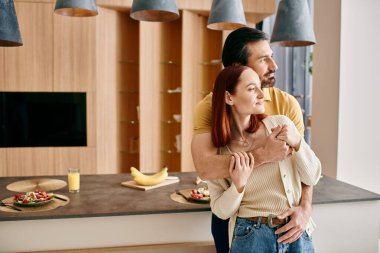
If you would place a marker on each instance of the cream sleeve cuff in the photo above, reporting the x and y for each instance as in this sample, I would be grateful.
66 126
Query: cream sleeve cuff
228 203
308 164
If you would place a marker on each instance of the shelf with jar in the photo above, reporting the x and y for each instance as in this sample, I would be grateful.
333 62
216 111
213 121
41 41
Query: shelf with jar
127 76
177 90
170 62
171 140
171 152
211 62
129 144
131 122
170 80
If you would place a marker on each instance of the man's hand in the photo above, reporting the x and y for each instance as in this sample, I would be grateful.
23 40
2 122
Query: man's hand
274 150
208 164
290 136
299 217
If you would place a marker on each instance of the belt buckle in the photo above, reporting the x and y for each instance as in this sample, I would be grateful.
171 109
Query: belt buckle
270 222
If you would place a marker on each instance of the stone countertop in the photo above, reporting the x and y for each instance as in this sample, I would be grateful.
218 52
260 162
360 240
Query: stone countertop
103 195
329 190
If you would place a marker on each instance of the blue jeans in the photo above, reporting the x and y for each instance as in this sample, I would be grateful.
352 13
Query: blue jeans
251 236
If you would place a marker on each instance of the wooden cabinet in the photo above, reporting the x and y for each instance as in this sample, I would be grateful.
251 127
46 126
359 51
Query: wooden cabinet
202 49
170 83
74 53
183 62
2 69
58 55
3 162
30 67
142 80
31 161
128 94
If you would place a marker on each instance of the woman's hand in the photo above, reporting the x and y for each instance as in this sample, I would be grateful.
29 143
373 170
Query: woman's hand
241 166
290 136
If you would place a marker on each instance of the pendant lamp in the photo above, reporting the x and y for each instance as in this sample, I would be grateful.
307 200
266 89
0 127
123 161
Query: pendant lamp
154 10
293 26
76 8
9 30
226 15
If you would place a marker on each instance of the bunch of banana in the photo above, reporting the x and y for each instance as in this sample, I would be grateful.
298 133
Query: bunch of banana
148 180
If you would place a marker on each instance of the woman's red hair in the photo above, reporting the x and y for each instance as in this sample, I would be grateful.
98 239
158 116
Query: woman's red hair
221 119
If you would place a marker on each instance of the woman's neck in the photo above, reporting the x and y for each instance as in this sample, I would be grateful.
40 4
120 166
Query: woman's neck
244 141
241 123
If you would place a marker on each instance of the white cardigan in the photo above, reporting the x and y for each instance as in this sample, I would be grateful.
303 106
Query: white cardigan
302 166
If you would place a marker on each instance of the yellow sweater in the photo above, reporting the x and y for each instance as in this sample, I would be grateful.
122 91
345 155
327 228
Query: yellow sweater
272 188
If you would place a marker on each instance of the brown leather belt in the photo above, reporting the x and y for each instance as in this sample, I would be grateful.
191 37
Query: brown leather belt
272 221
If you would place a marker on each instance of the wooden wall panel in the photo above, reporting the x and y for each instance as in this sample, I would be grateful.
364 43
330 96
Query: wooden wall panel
170 63
106 92
258 10
91 119
30 161
74 53
116 4
30 67
254 8
3 162
2 69
149 97
128 92
84 54
129 40
74 157
191 79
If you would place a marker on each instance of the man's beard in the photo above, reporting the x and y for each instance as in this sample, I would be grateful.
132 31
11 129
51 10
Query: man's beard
268 82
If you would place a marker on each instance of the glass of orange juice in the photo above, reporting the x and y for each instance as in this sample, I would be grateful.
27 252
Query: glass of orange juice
73 177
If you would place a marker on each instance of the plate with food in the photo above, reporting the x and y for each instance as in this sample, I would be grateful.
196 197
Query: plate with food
34 198
200 194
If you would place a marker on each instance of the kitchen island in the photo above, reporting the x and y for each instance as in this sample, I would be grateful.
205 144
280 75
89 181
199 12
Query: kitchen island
107 216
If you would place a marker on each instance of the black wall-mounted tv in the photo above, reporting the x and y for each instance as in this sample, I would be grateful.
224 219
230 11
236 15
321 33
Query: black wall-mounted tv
43 119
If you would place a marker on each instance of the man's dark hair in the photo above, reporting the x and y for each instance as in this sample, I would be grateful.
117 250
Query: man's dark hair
235 48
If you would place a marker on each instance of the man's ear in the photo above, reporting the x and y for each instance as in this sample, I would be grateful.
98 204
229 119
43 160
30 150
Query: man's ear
228 98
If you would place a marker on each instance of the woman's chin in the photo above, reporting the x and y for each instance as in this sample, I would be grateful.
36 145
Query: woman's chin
260 111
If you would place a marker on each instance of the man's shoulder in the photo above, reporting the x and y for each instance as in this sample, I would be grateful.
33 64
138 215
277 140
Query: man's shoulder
285 104
280 93
204 106
202 115
206 99
281 97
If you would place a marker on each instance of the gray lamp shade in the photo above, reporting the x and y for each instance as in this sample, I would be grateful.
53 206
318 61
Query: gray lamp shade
293 26
154 10
226 15
76 8
9 30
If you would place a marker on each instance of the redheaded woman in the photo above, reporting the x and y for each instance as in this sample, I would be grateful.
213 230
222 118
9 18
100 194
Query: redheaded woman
252 198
